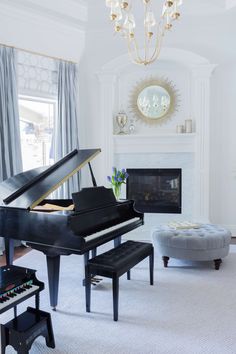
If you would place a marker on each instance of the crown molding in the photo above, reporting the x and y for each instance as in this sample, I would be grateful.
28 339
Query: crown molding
72 13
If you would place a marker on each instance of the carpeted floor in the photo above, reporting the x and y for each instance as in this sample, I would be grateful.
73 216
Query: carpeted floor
191 309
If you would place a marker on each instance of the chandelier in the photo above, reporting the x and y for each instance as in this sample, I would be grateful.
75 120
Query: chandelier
121 14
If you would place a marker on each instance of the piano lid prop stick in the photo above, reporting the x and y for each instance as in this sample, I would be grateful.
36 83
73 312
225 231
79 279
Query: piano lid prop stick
92 175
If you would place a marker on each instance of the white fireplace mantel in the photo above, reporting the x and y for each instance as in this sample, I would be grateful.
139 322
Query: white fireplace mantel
161 143
198 144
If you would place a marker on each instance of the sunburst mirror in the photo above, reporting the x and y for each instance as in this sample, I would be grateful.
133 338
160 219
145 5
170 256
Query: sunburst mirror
154 100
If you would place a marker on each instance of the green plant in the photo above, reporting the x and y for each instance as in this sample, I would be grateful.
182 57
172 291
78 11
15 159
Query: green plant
117 178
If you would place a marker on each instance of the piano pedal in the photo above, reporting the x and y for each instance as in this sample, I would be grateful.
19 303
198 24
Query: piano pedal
95 281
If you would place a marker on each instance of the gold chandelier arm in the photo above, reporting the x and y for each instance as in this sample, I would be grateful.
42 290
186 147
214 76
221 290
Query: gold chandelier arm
160 35
136 50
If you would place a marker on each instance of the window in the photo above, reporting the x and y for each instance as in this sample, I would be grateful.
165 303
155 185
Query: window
36 128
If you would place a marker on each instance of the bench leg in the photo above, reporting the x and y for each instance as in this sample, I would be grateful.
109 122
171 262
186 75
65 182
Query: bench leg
128 275
87 288
115 286
151 266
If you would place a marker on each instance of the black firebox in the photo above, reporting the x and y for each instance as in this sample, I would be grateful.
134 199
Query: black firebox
155 190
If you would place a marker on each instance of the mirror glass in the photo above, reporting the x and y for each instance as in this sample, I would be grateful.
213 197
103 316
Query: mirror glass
153 101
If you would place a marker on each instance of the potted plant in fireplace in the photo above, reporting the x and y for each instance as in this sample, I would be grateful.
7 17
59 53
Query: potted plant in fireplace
117 178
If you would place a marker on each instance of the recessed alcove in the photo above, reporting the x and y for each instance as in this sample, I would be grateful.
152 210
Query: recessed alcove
159 146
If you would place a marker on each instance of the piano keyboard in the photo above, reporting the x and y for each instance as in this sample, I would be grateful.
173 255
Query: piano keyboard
13 296
110 229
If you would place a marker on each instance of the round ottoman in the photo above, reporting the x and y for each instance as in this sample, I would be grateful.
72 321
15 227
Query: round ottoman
206 243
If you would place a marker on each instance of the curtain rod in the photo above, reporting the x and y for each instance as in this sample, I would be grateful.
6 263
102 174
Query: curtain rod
36 53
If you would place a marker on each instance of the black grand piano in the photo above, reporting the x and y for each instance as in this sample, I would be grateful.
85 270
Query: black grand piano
91 218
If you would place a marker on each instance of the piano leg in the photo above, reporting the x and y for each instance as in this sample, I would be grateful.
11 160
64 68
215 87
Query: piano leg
53 265
86 258
9 246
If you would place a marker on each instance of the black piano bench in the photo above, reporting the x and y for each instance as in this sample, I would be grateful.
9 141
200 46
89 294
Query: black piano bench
21 332
116 262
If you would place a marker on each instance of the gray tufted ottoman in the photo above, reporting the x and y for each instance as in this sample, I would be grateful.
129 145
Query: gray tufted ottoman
207 243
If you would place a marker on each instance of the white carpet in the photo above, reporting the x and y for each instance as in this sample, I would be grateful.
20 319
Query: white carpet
191 309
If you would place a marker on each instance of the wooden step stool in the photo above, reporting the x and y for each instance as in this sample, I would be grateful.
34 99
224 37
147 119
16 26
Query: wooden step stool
21 332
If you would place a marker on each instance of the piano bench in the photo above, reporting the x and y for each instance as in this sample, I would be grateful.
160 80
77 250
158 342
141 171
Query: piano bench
21 332
114 263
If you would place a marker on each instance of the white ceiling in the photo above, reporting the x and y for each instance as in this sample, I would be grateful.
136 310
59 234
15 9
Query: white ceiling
206 27
76 13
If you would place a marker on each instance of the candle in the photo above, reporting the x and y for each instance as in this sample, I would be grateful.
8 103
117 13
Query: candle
188 126
180 129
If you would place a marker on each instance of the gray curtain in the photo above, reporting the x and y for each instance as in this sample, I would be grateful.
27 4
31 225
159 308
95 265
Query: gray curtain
10 152
66 125
10 146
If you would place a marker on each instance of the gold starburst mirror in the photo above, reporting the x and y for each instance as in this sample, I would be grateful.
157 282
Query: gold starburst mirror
154 100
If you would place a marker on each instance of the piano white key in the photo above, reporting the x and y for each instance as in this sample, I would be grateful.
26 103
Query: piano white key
113 228
11 300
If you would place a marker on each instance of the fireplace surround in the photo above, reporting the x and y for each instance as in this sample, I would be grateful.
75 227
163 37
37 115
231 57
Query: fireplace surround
155 190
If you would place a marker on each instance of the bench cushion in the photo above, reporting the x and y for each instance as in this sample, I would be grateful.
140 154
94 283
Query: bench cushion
123 257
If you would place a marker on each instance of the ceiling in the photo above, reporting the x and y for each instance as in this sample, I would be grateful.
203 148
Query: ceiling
77 12
211 36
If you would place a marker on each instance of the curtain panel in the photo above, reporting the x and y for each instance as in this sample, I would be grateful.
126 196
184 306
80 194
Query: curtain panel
10 152
10 146
66 125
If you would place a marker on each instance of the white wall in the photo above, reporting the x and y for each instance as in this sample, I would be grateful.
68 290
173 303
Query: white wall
26 25
211 36
223 147
58 31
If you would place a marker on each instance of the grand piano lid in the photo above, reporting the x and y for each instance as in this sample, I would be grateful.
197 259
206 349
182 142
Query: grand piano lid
28 189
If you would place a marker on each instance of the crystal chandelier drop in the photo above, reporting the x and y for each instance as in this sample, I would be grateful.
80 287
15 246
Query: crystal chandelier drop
124 22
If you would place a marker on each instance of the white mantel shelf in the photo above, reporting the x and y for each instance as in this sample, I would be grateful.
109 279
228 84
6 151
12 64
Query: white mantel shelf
163 143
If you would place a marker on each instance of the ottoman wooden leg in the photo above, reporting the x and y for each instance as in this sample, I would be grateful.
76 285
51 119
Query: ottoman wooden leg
165 261
217 263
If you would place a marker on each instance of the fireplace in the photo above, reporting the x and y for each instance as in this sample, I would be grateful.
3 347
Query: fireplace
155 190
